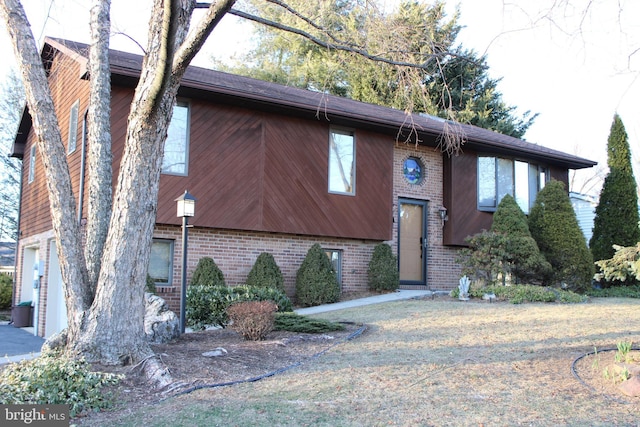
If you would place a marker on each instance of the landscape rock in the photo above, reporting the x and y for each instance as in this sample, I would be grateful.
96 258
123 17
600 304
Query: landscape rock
55 342
215 353
631 387
161 325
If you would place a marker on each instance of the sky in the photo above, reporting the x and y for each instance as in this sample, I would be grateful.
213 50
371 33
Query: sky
570 61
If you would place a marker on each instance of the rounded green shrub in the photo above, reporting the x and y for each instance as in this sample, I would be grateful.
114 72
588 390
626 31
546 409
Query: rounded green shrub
6 291
555 228
207 273
265 273
383 269
527 264
485 259
316 282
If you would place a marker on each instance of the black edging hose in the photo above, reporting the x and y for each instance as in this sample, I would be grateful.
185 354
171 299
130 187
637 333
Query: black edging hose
353 335
575 374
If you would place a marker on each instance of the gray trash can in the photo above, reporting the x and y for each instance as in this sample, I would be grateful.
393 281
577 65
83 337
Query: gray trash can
22 315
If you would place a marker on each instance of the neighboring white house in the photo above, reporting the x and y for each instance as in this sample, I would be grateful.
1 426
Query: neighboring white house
7 258
584 206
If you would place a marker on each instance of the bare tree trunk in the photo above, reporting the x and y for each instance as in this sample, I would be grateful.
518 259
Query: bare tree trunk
117 313
100 158
52 154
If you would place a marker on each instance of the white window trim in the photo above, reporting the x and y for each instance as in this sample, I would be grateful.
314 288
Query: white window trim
338 271
543 171
352 133
171 256
186 142
72 140
32 164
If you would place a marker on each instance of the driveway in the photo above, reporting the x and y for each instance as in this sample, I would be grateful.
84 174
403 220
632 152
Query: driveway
16 341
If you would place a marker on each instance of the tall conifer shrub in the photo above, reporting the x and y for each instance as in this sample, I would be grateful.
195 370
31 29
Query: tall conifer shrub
555 228
528 265
616 219
316 282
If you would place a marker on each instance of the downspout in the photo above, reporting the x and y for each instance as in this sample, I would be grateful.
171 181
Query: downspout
83 159
18 234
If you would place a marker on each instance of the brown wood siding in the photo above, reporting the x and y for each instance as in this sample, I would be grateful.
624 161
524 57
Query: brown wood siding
560 174
460 197
67 88
460 187
267 172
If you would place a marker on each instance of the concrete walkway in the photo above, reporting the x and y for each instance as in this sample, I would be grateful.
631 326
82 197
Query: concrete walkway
18 344
399 295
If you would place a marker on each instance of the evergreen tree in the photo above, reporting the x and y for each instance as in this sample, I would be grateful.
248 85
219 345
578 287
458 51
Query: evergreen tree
316 282
454 83
555 228
207 273
528 265
616 219
383 272
265 273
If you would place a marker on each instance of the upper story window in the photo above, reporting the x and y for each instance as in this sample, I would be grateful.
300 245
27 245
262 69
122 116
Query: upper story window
73 127
342 168
32 164
176 147
498 177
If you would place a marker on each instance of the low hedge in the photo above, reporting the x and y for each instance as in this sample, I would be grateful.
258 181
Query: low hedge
518 294
207 305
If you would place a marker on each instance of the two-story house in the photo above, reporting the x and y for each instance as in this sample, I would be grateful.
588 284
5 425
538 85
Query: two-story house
278 169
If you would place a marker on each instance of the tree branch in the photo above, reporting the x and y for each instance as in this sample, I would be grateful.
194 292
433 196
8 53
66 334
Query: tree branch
337 46
196 38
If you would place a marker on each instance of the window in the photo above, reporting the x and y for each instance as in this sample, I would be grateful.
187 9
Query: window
32 164
342 169
73 127
335 256
412 170
176 147
161 262
498 177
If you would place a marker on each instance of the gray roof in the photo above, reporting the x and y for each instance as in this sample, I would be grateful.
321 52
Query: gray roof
245 91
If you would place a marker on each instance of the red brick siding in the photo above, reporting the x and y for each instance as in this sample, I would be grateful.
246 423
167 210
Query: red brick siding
442 270
236 251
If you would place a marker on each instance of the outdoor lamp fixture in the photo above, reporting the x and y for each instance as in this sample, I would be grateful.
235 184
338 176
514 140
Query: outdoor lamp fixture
443 214
186 208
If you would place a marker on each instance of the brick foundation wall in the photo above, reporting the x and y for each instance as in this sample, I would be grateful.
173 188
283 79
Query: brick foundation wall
235 252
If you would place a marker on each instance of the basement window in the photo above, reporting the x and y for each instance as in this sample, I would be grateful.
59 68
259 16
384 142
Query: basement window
161 262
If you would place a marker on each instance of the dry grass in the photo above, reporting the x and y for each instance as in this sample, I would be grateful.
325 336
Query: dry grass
434 363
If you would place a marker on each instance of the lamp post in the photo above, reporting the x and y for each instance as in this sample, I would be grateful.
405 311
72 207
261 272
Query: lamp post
186 208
